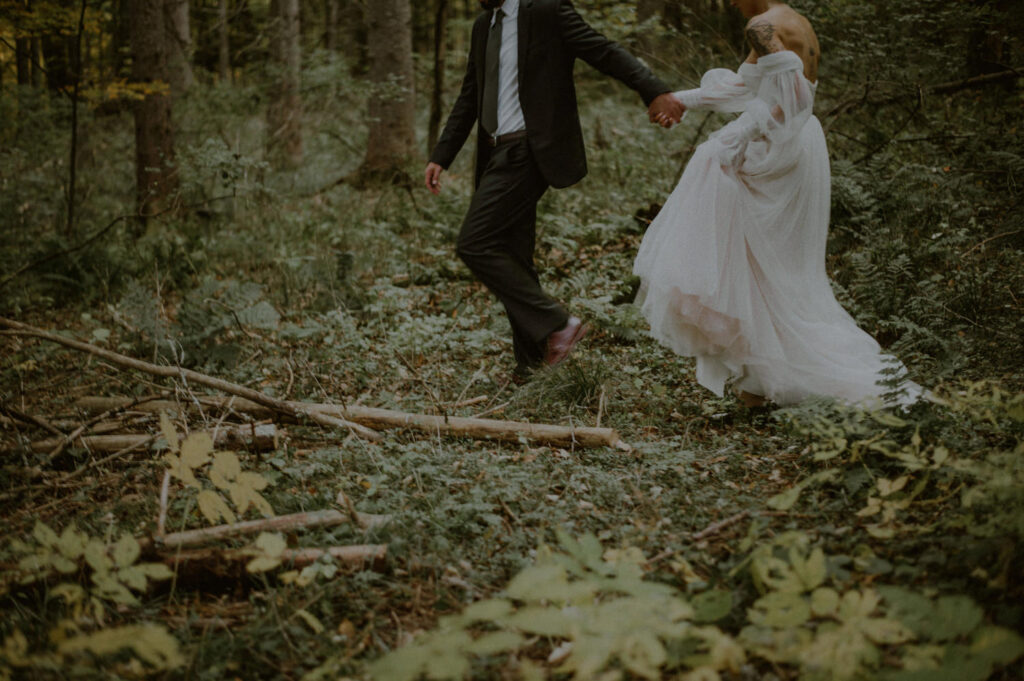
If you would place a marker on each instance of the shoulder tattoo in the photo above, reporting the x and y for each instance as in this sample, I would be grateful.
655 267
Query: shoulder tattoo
761 35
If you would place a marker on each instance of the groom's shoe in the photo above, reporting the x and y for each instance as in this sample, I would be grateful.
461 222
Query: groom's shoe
561 342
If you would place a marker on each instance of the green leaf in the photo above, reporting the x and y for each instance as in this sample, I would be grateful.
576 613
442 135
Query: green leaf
997 645
45 536
912 609
711 605
126 551
490 610
495 642
785 500
824 602
311 621
150 643
72 542
812 571
780 609
541 621
955 616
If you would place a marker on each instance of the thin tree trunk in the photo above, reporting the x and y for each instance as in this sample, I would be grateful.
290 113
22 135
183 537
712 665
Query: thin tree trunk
36 62
156 179
331 28
392 136
73 167
179 46
440 31
23 57
284 115
224 43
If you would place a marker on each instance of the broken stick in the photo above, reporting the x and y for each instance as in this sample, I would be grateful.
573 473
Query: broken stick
452 426
258 438
292 409
281 523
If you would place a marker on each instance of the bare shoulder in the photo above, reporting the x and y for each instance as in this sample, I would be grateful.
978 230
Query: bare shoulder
783 28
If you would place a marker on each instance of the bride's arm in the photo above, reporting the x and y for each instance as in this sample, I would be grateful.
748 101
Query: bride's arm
720 90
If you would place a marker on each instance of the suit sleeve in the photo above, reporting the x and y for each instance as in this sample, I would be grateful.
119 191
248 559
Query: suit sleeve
607 56
460 120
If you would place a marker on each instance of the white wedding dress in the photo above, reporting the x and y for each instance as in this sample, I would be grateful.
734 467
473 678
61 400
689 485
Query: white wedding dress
733 268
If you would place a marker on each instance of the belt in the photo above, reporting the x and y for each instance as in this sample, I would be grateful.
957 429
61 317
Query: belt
495 140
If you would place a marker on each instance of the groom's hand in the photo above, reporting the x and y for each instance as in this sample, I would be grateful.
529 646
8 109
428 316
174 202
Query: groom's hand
666 110
432 177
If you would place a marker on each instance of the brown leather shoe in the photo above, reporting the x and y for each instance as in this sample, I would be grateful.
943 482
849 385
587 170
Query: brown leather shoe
561 342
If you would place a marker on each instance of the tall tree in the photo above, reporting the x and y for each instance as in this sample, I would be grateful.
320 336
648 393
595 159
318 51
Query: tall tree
392 136
223 42
156 181
284 114
440 41
179 45
23 57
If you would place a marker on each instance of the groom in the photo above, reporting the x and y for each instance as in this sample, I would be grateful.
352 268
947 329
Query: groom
519 90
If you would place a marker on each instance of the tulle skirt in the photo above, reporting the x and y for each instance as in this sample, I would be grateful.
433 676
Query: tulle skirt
733 273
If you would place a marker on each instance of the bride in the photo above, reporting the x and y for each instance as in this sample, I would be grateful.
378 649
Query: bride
733 268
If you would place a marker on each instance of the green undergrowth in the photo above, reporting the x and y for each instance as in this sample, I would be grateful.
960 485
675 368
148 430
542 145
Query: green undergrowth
817 541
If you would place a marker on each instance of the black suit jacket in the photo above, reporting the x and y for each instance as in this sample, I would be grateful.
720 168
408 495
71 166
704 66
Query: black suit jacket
551 37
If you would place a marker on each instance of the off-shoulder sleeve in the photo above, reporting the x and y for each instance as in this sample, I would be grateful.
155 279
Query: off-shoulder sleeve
720 90
784 102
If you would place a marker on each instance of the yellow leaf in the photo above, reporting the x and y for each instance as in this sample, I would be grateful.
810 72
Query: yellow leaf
213 508
169 433
226 465
195 450
311 621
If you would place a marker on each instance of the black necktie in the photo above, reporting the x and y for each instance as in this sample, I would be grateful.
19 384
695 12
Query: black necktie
490 112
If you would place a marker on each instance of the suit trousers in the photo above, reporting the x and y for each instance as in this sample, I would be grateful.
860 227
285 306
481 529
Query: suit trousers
497 241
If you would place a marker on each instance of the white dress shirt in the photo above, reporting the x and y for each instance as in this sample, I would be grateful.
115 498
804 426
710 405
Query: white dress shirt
510 112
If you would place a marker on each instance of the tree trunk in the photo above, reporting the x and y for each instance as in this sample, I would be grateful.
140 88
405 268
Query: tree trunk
179 46
284 114
36 61
156 181
331 12
353 38
23 58
57 54
224 43
440 29
646 10
392 136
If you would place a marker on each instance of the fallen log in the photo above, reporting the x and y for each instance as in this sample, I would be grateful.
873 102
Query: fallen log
353 556
452 426
261 438
281 523
292 409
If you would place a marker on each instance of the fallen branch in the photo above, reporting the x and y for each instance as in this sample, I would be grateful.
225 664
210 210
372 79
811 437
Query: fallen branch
292 409
715 528
453 426
281 523
257 438
353 556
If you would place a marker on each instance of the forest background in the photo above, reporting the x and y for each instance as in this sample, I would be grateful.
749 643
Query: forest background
231 188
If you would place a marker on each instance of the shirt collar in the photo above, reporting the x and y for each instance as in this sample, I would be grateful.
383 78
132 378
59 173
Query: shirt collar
509 7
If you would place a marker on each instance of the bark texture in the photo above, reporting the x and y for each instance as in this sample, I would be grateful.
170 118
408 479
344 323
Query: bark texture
156 180
392 135
179 46
284 114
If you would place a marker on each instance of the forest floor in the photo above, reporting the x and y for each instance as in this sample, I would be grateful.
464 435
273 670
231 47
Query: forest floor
341 297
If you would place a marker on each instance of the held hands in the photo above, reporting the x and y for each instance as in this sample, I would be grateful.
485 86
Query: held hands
666 110
432 178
